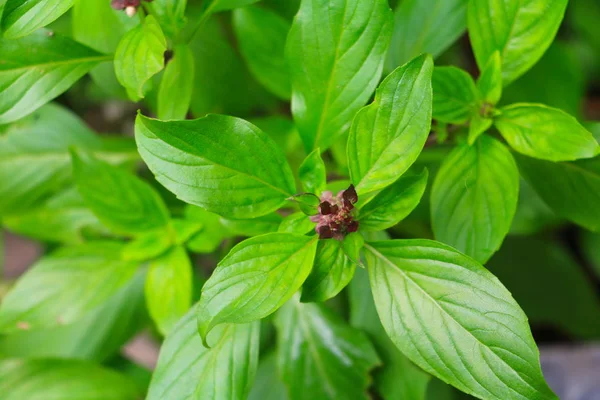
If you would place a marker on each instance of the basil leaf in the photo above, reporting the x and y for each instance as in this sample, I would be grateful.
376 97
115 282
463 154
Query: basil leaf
175 91
320 356
29 79
545 133
267 385
169 288
62 379
98 335
122 201
140 56
312 173
147 246
223 5
170 14
297 223
212 234
579 204
393 203
454 95
335 51
557 80
474 198
253 227
63 218
454 319
553 270
255 279
533 214
514 28
489 82
223 164
34 158
425 26
224 372
261 35
333 269
20 18
477 126
387 136
221 83
64 286
397 378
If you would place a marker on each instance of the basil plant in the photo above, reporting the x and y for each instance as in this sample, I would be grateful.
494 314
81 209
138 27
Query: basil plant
307 203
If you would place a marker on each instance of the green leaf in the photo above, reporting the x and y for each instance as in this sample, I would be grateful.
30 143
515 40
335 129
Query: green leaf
397 378
122 201
221 83
63 218
557 80
223 164
188 370
333 268
253 227
170 14
553 269
212 234
454 319
267 385
169 288
29 79
489 82
454 95
394 203
514 28
64 286
545 133
140 56
255 279
296 223
580 202
387 136
34 158
183 230
98 335
21 18
533 214
590 246
312 173
62 379
425 26
175 92
474 197
320 356
477 126
261 35
222 5
335 51
97 25
147 245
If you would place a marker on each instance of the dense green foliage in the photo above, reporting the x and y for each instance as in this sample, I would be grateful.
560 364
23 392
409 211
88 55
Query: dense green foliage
308 200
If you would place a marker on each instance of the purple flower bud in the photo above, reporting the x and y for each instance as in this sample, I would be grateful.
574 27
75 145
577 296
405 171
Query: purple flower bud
352 227
325 232
349 195
325 208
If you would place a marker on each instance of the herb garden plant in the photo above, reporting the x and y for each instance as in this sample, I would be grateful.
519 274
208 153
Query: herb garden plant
302 229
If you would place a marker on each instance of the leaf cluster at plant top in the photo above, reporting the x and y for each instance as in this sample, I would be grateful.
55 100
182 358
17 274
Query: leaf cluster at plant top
321 225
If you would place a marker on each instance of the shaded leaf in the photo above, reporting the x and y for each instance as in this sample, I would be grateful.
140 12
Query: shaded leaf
320 356
474 198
